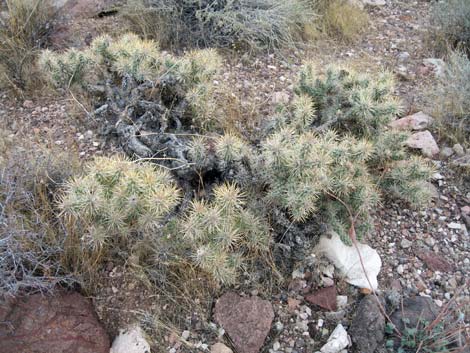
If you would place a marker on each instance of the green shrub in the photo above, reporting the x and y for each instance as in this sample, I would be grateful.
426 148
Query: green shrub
450 23
450 97
223 233
340 18
346 101
116 198
152 101
310 169
252 24
309 173
22 33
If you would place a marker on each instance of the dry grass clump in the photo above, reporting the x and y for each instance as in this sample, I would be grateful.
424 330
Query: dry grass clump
32 238
450 23
450 97
339 19
23 32
247 24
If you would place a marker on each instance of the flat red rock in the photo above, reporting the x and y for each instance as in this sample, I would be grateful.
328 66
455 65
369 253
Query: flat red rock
64 323
247 320
325 298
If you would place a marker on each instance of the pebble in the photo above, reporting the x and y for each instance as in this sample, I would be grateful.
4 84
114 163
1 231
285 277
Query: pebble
400 269
185 335
454 225
405 243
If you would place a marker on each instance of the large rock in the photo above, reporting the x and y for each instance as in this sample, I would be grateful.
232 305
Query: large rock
425 142
220 348
346 260
130 340
368 326
416 310
64 323
247 321
417 121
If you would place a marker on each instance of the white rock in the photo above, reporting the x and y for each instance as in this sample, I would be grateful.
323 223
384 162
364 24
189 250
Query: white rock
185 334
454 225
438 65
338 341
459 150
280 98
341 301
131 340
220 348
374 2
425 142
347 261
400 269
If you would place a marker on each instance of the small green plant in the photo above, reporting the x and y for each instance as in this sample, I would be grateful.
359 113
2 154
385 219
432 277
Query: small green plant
450 97
116 198
429 337
224 234
450 23
252 24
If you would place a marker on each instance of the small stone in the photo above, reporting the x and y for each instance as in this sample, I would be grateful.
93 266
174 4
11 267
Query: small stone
28 104
327 281
341 301
292 304
458 149
280 98
446 152
276 346
454 225
430 241
400 269
405 244
404 56
185 335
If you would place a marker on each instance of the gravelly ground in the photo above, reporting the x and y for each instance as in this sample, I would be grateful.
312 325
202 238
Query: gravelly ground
424 252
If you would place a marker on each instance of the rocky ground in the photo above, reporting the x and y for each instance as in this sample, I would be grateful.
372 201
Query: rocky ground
424 253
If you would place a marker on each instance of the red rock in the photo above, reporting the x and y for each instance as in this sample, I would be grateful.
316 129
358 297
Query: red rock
293 304
64 323
435 262
466 210
247 321
417 121
325 298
